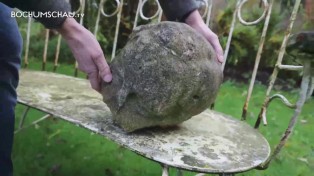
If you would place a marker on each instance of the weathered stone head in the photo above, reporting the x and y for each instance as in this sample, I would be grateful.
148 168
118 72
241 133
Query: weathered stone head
165 74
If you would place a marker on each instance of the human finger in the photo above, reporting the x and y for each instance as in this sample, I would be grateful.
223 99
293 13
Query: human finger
94 80
214 41
103 67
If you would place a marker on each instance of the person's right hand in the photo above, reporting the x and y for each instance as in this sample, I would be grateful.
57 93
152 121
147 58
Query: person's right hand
87 52
195 21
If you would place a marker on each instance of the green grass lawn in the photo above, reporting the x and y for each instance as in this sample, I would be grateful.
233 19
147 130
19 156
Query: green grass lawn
58 148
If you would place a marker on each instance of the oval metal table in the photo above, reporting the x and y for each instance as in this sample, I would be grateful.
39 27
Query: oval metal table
210 142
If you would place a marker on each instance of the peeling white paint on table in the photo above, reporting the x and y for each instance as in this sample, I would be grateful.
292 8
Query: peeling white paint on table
210 142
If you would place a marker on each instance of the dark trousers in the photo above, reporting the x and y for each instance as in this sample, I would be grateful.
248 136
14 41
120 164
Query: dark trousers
10 54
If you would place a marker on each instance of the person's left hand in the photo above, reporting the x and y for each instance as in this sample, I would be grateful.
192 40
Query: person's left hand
195 21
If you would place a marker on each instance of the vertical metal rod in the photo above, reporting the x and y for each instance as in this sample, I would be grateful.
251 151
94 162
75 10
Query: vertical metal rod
57 54
257 61
279 60
209 12
29 24
43 68
98 18
23 117
137 13
117 31
165 170
82 12
283 46
160 15
230 34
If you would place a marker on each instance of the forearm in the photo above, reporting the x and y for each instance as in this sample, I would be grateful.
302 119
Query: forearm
87 52
178 10
42 6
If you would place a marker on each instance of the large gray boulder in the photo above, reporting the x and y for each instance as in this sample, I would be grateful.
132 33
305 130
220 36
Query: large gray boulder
165 74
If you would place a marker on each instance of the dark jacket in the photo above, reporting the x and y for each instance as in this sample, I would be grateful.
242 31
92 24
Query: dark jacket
178 10
175 10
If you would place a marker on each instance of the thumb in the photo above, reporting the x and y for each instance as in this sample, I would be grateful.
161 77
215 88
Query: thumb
103 67
218 49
